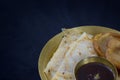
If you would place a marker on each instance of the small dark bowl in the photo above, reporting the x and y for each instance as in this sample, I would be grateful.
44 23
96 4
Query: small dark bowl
98 60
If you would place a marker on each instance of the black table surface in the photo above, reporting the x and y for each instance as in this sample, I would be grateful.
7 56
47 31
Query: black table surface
26 26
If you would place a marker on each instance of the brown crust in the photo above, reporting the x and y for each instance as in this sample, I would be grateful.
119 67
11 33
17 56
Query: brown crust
100 42
110 56
96 46
113 52
108 45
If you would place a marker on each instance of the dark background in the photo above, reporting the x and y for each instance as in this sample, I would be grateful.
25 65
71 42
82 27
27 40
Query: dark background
26 25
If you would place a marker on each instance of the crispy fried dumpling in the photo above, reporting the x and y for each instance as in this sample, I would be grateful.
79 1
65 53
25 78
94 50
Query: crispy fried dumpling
100 42
108 45
113 52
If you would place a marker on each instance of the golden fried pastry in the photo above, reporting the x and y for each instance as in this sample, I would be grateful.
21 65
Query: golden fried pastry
108 45
100 42
113 52
95 43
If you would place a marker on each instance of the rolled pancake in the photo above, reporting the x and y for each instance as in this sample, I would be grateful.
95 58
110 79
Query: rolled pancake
69 36
79 49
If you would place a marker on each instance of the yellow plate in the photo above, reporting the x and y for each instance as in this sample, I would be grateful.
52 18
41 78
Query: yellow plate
53 43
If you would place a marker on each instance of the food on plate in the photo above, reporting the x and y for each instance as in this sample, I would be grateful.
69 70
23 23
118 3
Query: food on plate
67 39
113 52
80 49
74 46
108 45
100 43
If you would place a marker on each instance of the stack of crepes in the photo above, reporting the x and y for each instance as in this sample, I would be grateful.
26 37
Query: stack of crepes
73 47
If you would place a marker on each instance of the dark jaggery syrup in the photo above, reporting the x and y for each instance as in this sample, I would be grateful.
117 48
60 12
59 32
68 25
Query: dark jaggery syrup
94 71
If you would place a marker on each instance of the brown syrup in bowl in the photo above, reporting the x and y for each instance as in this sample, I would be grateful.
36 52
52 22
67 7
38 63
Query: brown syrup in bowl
94 71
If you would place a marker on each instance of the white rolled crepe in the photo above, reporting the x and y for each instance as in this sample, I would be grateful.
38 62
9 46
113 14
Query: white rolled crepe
80 49
69 36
